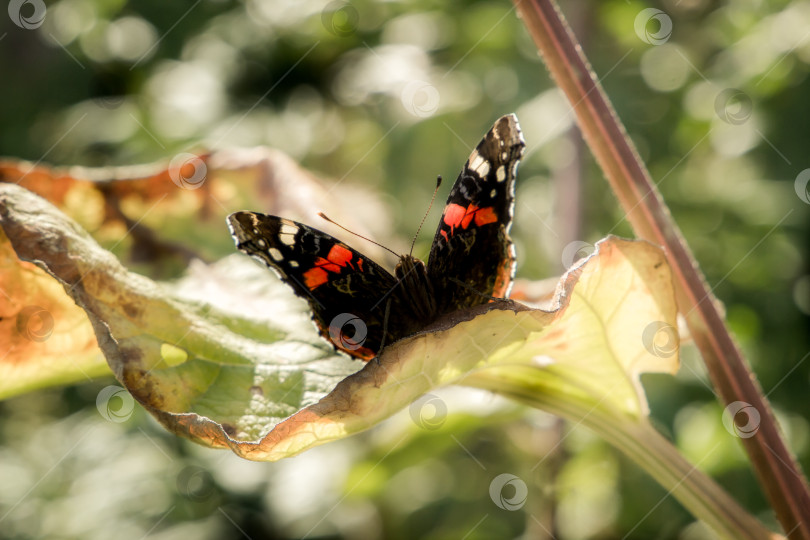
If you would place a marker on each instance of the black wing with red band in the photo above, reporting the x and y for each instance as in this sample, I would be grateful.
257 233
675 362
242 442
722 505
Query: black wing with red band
472 244
344 288
471 261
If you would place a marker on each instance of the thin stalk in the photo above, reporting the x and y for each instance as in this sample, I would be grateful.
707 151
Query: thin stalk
777 470
640 441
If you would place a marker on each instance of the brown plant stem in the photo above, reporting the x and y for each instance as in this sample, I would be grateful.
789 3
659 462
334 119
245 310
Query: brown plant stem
776 468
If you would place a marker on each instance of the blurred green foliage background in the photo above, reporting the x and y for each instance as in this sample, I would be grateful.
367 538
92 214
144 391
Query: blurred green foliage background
388 95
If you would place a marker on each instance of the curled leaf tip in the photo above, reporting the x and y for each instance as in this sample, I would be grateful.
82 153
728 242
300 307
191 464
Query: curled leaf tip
267 387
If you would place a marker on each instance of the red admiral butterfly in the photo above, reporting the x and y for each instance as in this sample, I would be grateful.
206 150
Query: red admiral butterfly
472 259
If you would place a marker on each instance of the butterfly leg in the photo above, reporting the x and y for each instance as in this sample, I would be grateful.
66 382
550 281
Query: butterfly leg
385 329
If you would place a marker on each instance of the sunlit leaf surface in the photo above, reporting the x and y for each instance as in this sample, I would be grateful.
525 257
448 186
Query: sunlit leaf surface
228 358
46 338
202 371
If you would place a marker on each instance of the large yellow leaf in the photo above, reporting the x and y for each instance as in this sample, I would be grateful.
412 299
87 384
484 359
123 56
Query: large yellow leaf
274 389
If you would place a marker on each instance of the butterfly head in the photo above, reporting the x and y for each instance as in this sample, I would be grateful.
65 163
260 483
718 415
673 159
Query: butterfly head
408 265
412 278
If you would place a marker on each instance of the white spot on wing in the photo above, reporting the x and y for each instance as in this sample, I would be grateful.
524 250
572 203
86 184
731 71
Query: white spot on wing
294 264
493 193
479 164
483 170
262 243
500 174
276 254
287 233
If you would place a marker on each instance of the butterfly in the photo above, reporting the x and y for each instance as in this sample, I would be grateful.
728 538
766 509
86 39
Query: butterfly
358 305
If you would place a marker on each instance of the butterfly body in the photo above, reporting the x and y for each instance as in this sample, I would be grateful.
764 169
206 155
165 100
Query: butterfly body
356 303
417 288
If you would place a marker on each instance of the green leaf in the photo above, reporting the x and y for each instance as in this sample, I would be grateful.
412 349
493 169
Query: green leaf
228 356
221 357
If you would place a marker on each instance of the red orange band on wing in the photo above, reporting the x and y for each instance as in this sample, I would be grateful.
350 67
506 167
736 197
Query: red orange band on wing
315 277
456 215
338 258
484 216
503 279
339 255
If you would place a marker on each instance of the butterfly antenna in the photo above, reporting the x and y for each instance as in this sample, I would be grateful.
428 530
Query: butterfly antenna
438 183
333 222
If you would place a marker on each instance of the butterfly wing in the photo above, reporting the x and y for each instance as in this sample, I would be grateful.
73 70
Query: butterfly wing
346 290
472 257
